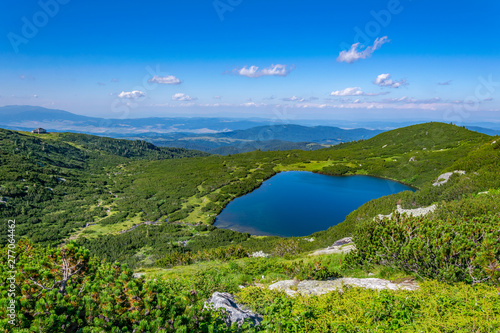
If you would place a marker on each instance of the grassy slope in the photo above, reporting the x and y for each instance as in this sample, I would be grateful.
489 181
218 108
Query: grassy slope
114 188
53 183
216 180
443 145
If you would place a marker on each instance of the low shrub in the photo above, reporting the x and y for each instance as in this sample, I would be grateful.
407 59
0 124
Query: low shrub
451 250
435 307
188 258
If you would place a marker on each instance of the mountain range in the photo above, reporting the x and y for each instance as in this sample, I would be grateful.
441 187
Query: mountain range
213 135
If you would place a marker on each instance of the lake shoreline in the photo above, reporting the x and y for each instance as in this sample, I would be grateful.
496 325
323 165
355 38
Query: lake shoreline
282 209
380 177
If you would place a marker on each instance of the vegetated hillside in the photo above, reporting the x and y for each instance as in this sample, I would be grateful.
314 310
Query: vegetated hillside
131 149
457 245
196 190
224 178
64 195
106 297
225 146
269 145
428 136
52 183
474 153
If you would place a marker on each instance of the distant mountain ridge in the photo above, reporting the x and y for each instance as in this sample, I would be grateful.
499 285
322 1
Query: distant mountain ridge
298 133
266 138
22 113
483 130
213 135
25 117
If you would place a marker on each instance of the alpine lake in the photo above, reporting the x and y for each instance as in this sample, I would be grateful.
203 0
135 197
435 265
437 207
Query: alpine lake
299 203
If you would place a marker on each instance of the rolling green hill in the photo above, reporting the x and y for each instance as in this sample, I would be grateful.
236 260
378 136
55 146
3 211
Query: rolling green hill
74 185
52 183
118 199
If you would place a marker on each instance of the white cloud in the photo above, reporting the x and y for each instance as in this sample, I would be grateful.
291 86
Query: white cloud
182 97
338 103
250 104
354 91
384 80
294 99
131 94
354 53
404 99
169 79
273 70
411 100
35 96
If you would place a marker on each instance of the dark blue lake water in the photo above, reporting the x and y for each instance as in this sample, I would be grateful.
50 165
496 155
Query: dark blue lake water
298 203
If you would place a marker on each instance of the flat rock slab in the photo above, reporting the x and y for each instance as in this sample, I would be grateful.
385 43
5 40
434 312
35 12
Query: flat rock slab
343 241
344 245
312 287
410 212
443 179
334 249
236 313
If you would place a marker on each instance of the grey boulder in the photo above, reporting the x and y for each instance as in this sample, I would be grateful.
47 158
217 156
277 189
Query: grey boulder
236 313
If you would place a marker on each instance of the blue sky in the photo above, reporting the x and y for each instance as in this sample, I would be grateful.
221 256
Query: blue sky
419 59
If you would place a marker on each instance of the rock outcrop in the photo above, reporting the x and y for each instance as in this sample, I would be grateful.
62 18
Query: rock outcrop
443 179
236 313
312 287
413 212
260 254
343 245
